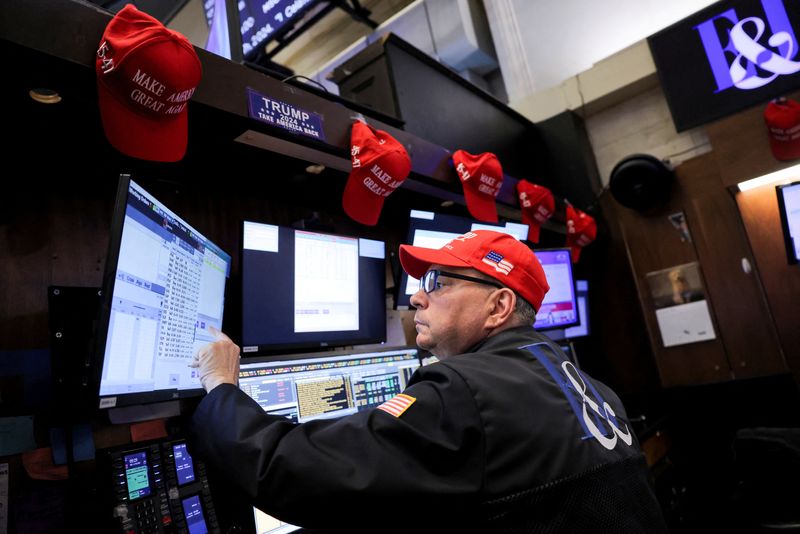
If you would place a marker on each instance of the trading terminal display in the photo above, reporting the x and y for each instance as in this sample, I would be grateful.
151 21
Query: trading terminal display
319 397
333 386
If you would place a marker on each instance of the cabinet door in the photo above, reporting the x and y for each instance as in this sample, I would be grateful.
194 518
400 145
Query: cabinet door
744 321
746 342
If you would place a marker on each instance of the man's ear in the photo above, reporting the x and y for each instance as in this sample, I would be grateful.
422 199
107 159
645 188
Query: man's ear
502 304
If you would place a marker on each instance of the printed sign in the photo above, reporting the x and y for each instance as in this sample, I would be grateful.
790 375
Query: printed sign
728 57
284 115
679 298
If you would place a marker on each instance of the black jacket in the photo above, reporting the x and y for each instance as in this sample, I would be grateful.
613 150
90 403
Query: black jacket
509 437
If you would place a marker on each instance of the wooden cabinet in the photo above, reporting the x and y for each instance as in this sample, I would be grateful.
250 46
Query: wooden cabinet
746 343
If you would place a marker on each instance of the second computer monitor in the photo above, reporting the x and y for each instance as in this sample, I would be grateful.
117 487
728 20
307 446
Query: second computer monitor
559 308
309 289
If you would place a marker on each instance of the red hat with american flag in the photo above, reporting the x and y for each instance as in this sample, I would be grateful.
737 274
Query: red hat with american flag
495 254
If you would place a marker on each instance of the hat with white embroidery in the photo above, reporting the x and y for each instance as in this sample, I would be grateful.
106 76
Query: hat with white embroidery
782 117
481 178
380 164
537 205
146 75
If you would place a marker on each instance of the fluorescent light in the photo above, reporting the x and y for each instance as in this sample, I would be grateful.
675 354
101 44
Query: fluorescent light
783 175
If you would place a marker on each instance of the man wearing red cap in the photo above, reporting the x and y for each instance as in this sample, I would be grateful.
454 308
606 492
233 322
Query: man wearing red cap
503 434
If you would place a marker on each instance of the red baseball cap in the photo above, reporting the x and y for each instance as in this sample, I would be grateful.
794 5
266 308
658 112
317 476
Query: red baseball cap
146 75
495 254
380 165
481 177
537 205
782 117
581 230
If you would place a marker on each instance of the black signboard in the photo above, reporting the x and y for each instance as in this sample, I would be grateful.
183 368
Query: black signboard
728 57
264 20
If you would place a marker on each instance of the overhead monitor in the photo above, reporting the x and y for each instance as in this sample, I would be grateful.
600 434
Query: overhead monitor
310 289
727 57
264 20
307 387
559 308
164 286
223 29
434 230
789 208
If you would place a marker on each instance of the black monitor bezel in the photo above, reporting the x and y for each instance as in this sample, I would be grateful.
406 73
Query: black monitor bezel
271 349
101 333
356 352
787 236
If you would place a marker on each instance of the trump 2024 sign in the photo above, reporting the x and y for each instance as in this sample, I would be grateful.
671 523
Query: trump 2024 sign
728 57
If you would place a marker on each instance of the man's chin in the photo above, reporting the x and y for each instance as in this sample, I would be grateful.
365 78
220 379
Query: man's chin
423 342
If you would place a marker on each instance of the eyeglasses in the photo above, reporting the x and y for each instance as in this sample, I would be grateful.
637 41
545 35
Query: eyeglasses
430 280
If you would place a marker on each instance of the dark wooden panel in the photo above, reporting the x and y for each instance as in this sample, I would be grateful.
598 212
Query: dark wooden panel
742 315
741 149
653 244
759 209
741 146
618 351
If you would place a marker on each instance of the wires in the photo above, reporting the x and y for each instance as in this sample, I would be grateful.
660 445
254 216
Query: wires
307 79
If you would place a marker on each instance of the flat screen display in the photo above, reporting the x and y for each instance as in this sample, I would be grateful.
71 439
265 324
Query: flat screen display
264 20
193 511
309 289
136 475
164 286
582 328
727 57
560 305
184 467
312 387
789 207
434 230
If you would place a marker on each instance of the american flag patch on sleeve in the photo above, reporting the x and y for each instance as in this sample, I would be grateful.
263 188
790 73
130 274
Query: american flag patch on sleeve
397 404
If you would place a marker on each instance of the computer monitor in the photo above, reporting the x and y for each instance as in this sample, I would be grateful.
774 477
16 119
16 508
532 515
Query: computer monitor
309 386
559 308
309 289
789 208
164 285
223 29
434 230
582 328
313 386
263 21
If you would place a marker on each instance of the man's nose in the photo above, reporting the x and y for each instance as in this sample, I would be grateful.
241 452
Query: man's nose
419 299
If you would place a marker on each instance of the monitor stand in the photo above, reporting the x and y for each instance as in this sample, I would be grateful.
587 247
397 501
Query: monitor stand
144 412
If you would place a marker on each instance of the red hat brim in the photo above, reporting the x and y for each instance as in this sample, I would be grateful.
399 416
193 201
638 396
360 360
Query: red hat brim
417 260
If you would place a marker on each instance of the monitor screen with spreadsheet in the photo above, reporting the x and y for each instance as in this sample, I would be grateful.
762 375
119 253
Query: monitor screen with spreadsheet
310 386
164 286
309 289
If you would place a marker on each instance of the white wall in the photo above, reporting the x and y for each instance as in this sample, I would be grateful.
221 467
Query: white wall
560 39
569 36
592 57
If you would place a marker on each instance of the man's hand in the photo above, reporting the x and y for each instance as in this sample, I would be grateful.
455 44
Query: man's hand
218 361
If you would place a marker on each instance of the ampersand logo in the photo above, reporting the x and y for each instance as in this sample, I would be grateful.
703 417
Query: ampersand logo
756 51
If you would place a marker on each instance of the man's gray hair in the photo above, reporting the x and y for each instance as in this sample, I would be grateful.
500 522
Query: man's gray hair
524 311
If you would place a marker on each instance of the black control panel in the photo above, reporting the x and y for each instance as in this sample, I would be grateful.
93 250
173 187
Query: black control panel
160 488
